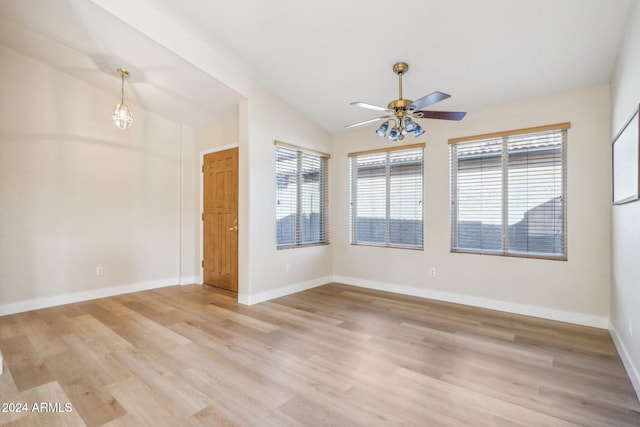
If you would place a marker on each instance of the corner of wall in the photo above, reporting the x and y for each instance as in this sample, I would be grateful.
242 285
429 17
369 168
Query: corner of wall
632 370
250 299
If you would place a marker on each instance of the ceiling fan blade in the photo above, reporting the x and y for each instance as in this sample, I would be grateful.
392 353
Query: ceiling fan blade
370 106
442 115
368 121
425 101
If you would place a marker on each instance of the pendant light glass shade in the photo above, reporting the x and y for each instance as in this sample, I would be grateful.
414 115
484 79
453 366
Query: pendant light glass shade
393 134
122 117
382 130
408 125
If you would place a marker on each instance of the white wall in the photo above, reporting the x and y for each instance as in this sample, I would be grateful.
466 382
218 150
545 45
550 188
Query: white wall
189 214
262 119
625 288
575 291
218 134
268 118
76 192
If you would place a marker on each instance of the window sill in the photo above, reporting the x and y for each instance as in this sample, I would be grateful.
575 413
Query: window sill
413 248
511 255
306 245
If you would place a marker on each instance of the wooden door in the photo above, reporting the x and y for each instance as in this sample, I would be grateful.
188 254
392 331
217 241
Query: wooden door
220 216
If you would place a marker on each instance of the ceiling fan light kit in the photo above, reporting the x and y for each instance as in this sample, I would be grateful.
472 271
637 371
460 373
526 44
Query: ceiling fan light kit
402 112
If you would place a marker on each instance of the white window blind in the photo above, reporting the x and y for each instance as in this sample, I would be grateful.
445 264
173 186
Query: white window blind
508 193
301 198
386 197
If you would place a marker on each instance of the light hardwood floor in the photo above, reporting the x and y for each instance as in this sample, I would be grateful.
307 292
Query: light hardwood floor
331 356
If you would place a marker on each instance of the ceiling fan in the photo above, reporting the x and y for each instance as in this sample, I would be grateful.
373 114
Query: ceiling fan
400 114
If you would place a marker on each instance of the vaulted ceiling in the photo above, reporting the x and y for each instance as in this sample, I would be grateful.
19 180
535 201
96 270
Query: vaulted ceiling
320 56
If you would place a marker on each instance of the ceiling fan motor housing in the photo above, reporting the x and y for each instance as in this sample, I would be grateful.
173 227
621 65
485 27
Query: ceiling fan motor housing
400 67
399 104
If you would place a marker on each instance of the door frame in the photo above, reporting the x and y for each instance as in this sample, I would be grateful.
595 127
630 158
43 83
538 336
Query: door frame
201 210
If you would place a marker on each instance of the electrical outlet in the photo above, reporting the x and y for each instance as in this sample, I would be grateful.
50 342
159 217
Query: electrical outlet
99 270
432 272
287 268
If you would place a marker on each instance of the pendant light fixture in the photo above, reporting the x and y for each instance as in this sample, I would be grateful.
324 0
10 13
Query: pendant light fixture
122 117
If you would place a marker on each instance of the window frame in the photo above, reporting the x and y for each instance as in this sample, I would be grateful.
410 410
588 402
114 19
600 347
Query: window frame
504 173
387 208
299 211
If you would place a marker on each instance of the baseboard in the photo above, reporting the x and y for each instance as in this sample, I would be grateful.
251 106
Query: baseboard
510 307
37 303
190 280
250 299
627 360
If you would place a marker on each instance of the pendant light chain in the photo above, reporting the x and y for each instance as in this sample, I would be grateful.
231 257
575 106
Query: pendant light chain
122 88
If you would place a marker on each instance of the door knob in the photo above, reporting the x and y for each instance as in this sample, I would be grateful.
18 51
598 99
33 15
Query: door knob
234 228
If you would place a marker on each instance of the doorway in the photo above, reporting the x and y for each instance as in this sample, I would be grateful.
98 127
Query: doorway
220 219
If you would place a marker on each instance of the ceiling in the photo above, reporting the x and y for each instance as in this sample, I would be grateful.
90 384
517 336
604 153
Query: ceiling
83 40
320 56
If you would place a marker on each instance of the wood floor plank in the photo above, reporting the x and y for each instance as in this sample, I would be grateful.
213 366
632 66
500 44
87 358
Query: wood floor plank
126 420
90 398
145 406
187 399
539 399
217 416
48 406
476 403
141 331
311 413
26 366
8 393
331 355
234 366
230 396
99 355
90 330
44 337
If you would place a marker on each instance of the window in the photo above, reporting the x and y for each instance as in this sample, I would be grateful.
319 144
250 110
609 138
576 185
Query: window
301 197
508 193
386 197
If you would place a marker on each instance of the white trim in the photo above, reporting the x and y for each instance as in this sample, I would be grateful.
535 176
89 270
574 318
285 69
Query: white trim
181 204
250 299
190 280
200 275
46 302
509 307
303 149
216 149
632 370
